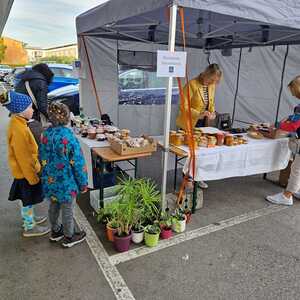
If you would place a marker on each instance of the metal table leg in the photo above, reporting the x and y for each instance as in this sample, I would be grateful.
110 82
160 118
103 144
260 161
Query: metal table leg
135 167
194 203
101 190
175 175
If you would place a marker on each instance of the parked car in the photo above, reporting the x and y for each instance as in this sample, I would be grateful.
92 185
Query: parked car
68 95
142 87
63 76
136 87
10 77
4 70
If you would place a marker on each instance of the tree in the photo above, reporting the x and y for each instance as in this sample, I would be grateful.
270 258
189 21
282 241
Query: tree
59 59
2 49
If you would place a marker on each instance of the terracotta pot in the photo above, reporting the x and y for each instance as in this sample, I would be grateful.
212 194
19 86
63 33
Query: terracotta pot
166 233
110 233
188 216
122 243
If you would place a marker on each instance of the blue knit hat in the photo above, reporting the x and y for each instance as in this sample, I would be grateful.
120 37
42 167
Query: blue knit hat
17 102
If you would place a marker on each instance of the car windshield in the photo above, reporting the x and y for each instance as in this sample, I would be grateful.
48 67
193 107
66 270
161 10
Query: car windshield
19 70
62 72
142 79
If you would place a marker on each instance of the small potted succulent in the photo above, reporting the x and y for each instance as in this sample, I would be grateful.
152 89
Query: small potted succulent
138 228
111 228
107 216
165 224
178 221
152 235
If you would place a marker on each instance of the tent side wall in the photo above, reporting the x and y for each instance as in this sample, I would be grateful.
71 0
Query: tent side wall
259 84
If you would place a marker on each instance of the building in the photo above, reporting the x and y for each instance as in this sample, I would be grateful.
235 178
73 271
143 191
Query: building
15 53
69 50
34 53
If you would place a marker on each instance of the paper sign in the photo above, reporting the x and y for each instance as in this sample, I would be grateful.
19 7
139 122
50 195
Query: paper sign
171 64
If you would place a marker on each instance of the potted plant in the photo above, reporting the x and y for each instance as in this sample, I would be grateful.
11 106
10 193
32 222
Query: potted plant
111 228
188 215
179 221
138 228
107 215
152 235
165 224
148 200
124 214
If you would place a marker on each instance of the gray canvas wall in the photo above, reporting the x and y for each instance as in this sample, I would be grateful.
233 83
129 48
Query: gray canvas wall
258 90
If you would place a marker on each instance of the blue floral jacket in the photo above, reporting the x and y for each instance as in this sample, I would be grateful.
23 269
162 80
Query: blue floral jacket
64 172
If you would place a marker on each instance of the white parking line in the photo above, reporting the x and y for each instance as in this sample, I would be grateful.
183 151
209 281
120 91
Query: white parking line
112 275
189 235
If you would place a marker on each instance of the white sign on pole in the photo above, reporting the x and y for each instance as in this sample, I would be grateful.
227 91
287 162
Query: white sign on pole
171 64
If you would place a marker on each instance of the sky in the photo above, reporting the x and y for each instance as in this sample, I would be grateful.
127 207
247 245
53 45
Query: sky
46 23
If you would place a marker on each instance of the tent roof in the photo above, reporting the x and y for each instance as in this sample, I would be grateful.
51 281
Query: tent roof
5 7
210 24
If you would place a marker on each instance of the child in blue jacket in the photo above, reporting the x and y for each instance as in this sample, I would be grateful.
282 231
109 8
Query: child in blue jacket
64 174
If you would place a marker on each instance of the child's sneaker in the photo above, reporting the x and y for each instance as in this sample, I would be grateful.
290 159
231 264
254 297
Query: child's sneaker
40 219
36 231
77 238
57 236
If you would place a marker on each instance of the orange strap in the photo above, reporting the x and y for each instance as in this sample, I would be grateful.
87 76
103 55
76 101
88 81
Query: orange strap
92 76
188 117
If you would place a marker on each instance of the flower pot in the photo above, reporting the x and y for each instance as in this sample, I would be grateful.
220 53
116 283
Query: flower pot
122 243
166 233
188 217
110 232
137 236
179 226
151 240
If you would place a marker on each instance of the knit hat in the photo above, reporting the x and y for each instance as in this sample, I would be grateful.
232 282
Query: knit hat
15 102
58 114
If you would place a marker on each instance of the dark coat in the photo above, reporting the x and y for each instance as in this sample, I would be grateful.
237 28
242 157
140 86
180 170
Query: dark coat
39 86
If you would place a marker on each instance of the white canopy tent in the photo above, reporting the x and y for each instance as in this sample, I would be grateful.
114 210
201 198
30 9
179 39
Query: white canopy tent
249 39
5 7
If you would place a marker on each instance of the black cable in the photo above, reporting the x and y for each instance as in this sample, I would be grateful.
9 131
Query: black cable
237 85
281 83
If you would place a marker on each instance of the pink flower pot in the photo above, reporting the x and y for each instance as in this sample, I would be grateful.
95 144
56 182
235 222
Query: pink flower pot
166 233
122 243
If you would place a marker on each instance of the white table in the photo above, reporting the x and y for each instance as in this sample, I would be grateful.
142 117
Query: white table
87 145
256 157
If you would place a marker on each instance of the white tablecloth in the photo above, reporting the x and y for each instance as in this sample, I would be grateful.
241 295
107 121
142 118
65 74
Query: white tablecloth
256 157
87 145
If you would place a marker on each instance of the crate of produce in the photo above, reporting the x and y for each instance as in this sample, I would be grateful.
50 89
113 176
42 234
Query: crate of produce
133 145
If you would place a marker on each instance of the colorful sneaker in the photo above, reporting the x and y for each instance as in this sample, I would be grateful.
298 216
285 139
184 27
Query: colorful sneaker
77 238
280 199
57 236
40 219
36 231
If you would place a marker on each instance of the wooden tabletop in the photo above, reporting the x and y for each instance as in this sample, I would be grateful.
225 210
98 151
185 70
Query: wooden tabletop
107 154
175 150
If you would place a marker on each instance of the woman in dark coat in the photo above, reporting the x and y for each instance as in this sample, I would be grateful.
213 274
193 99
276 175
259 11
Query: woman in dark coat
39 78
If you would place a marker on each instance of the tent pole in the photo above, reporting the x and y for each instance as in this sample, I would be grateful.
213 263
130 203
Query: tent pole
281 83
168 103
237 85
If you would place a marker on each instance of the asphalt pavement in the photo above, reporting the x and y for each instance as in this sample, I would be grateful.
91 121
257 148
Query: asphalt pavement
255 254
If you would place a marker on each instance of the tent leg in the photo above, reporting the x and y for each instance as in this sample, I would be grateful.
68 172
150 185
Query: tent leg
168 103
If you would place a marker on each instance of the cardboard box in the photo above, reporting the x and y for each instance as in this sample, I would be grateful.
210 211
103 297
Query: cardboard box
123 149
